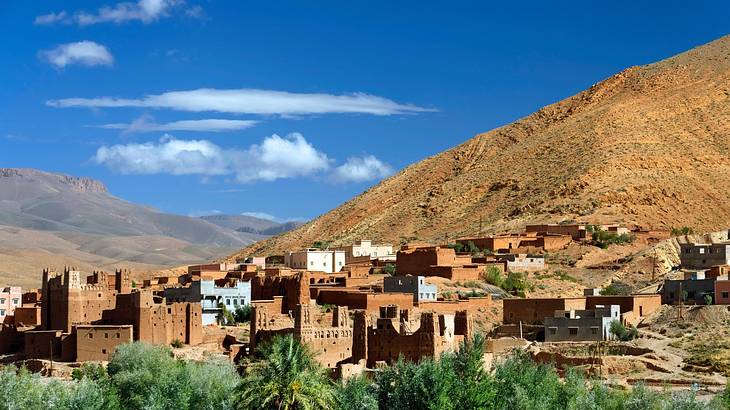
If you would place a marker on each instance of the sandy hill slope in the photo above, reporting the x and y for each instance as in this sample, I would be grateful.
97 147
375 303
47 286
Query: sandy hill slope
648 146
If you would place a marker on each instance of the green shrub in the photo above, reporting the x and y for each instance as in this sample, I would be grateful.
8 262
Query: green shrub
243 313
389 269
177 344
458 247
683 231
321 245
622 333
225 316
493 276
708 299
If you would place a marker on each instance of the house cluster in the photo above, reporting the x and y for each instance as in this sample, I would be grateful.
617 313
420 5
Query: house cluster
704 268
586 318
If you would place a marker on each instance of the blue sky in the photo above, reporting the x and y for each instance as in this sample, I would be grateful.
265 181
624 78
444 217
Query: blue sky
311 103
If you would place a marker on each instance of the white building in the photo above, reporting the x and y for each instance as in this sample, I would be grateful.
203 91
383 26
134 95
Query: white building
422 292
210 296
316 260
366 248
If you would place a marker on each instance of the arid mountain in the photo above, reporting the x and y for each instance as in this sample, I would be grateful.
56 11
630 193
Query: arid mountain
649 146
250 224
56 220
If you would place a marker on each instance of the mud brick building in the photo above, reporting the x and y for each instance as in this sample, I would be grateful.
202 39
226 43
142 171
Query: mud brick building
437 261
98 342
391 336
634 308
520 242
533 311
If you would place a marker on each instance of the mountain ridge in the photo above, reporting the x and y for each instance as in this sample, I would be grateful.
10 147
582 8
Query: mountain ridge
647 146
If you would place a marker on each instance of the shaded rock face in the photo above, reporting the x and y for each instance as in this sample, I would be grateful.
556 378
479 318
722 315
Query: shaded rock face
649 146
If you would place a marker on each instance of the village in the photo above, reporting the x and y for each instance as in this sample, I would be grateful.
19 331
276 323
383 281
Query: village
366 305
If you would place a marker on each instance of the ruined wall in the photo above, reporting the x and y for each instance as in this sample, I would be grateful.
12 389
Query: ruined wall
294 288
333 343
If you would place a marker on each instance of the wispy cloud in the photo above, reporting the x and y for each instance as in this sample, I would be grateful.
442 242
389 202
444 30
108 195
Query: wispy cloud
146 123
272 159
145 11
261 215
198 214
251 101
87 53
360 169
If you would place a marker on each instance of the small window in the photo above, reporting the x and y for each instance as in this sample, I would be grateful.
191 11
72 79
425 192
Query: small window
106 335
91 335
594 330
725 295
553 330
573 331
16 301
119 335
2 301
228 302
2 312
103 351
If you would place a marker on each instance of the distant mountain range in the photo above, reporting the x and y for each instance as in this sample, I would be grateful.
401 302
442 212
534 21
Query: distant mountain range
51 219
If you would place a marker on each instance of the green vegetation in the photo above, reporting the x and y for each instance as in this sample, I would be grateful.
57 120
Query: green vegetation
603 239
321 245
713 353
225 316
389 269
622 333
685 230
616 288
288 378
177 344
515 283
242 314
458 247
285 375
139 376
708 299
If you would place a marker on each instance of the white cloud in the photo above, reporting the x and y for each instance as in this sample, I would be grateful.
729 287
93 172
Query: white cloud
86 53
51 18
146 123
274 158
169 156
251 101
145 11
198 214
362 169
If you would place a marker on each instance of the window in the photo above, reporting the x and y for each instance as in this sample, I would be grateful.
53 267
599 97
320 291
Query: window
2 301
573 331
235 302
594 330
106 335
103 351
119 335
16 301
553 330
311 263
228 302
2 312
91 335
725 295
567 315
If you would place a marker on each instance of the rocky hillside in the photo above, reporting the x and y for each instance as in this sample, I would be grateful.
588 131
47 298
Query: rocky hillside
648 146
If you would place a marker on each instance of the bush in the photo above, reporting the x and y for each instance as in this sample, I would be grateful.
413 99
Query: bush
708 299
225 317
493 276
389 269
472 248
603 238
683 231
243 313
177 344
458 247
517 284
622 333
321 245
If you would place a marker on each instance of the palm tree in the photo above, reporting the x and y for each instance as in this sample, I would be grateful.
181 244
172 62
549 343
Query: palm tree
288 379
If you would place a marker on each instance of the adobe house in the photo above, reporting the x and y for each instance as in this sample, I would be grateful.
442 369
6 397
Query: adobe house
520 242
365 248
98 342
362 299
533 311
436 261
523 262
634 308
582 325
722 291
390 337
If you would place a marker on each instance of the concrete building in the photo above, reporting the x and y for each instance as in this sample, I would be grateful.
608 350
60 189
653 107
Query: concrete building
422 292
523 262
582 325
695 290
316 260
703 256
365 248
722 291
210 295
634 308
10 298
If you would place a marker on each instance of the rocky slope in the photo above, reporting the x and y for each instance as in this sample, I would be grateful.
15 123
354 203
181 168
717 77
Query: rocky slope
648 146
